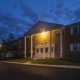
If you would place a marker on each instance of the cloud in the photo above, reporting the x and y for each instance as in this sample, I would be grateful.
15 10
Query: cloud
8 19
10 24
15 6
3 32
61 14
28 12
77 14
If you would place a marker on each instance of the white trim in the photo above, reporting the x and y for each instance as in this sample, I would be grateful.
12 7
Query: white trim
50 44
72 28
44 54
31 46
25 47
61 50
71 47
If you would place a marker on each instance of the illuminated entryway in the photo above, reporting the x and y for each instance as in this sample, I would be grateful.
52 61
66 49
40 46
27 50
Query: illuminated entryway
43 51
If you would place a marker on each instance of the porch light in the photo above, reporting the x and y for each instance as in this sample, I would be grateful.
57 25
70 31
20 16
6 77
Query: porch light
43 33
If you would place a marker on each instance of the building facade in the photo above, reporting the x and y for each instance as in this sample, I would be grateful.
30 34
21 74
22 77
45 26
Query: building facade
49 40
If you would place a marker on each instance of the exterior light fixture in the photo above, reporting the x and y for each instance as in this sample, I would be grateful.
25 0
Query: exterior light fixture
43 33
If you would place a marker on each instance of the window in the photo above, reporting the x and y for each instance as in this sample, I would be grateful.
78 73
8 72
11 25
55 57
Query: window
42 43
37 50
75 47
79 29
79 46
46 50
52 49
41 50
46 43
75 30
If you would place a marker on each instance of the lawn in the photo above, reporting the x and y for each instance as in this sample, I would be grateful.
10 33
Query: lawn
65 61
21 60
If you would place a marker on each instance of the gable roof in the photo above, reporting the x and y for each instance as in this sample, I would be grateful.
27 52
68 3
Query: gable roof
40 26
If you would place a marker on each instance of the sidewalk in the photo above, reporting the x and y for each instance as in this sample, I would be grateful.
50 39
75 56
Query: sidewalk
44 65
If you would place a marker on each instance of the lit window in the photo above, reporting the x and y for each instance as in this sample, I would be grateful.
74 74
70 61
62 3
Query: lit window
46 50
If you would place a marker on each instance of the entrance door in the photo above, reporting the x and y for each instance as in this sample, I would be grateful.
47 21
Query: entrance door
43 51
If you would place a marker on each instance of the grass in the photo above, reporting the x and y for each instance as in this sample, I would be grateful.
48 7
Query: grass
65 61
21 60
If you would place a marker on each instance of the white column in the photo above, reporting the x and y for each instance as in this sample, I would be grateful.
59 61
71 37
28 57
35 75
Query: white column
31 46
54 50
0 48
50 43
25 47
61 44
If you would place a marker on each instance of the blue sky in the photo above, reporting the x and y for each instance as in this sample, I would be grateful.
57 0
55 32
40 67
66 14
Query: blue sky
17 16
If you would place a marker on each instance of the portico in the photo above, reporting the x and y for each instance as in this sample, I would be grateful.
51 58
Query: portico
45 49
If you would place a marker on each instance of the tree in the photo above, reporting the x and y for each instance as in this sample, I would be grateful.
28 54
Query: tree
4 48
10 37
8 45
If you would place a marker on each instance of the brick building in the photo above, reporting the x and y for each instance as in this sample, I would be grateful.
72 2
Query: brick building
49 40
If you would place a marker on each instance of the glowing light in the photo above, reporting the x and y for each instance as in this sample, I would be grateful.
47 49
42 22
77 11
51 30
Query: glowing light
43 33
0 45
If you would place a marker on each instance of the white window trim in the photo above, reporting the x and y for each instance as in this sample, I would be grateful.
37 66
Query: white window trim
71 47
71 30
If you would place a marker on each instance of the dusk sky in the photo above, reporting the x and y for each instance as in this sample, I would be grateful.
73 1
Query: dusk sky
17 16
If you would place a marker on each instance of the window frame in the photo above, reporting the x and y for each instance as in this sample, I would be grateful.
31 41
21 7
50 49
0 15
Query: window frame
52 49
72 47
46 50
72 30
37 50
41 50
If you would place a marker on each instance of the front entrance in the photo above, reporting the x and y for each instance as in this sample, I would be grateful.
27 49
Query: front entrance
43 51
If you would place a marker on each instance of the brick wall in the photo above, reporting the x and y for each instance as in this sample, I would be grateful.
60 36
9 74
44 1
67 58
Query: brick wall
70 39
